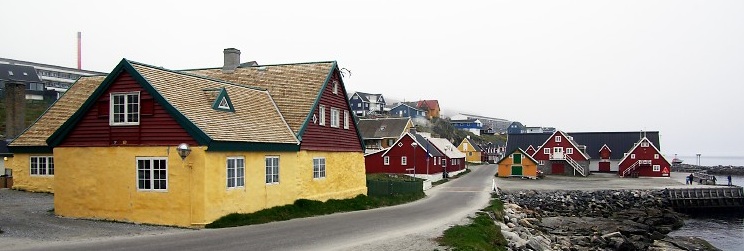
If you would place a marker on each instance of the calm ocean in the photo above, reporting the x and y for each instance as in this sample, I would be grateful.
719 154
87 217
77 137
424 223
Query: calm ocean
724 231
711 160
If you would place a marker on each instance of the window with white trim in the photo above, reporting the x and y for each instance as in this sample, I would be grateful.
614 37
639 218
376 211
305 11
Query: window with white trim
444 161
452 161
235 172
656 156
321 114
386 160
346 119
546 150
272 169
359 105
541 162
632 156
335 87
319 168
152 173
335 117
657 168
644 144
557 138
125 108
42 165
569 150
404 160
224 104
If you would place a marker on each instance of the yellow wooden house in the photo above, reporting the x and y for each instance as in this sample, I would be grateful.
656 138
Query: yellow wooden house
517 164
471 150
158 146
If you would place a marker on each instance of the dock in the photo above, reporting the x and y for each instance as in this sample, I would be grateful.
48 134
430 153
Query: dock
711 197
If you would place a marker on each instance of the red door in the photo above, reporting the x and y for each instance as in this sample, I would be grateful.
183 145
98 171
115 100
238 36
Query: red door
557 168
604 166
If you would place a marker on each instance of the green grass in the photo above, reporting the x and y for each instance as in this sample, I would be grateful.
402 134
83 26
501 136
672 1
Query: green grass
391 177
442 181
481 234
307 208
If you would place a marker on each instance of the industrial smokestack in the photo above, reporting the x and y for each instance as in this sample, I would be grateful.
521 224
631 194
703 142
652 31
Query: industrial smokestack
79 51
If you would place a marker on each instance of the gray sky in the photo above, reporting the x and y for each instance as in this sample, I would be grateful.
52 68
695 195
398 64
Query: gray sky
672 66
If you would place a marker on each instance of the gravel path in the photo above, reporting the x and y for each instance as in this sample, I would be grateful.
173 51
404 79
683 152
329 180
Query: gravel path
27 219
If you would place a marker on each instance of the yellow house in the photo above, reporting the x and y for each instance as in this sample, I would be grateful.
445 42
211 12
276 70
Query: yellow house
152 145
517 164
472 151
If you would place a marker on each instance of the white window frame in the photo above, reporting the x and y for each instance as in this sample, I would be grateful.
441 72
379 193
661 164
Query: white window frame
319 168
644 144
36 168
238 172
541 162
386 160
151 170
359 105
346 119
569 150
632 156
656 156
126 112
335 87
335 117
657 168
557 138
224 104
452 162
272 171
403 160
546 150
444 162
321 115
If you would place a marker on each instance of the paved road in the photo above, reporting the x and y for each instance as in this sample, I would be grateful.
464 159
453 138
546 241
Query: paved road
445 204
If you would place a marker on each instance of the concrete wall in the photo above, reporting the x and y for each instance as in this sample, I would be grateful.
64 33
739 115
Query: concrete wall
20 163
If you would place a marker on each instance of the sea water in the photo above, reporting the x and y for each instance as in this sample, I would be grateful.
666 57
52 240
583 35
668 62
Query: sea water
711 160
723 230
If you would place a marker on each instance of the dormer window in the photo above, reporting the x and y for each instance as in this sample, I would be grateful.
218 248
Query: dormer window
125 108
222 102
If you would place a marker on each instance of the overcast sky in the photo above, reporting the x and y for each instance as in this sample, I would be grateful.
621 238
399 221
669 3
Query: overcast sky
671 66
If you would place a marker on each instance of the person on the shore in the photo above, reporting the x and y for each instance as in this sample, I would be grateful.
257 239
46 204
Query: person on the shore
691 179
729 179
714 180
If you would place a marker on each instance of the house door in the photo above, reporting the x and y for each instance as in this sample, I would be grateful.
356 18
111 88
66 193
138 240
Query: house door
604 166
516 170
557 152
557 168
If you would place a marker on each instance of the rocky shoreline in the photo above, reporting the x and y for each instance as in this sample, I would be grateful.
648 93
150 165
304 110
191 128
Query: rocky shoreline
715 170
596 220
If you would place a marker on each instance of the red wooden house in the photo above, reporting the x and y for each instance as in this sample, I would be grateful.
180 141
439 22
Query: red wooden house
411 154
644 159
605 154
561 155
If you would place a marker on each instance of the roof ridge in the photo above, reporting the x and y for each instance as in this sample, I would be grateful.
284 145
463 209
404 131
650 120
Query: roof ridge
196 76
255 66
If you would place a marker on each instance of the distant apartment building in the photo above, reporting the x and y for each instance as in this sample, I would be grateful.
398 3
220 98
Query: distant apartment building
364 104
489 125
55 80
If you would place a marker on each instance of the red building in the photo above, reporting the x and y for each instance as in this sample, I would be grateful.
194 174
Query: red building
644 159
411 154
561 155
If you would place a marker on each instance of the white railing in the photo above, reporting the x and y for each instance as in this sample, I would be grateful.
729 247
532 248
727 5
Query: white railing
575 165
631 168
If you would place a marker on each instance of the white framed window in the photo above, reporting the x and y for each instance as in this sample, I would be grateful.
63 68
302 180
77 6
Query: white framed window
557 138
235 172
272 169
319 168
335 117
359 105
386 160
42 165
644 144
444 161
346 119
541 162
453 161
546 150
465 146
632 156
124 108
224 104
569 150
152 173
321 114
335 87
657 168
656 156
404 160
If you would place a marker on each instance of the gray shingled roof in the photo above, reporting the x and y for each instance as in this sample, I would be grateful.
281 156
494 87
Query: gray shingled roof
20 73
382 127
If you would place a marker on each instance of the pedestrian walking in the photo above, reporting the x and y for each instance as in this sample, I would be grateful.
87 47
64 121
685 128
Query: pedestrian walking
729 179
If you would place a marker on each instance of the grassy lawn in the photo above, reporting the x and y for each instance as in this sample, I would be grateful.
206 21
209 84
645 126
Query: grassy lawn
442 181
481 234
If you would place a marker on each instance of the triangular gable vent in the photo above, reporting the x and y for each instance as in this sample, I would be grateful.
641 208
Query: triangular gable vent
221 101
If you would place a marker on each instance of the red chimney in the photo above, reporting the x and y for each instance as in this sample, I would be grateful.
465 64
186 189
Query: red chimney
79 51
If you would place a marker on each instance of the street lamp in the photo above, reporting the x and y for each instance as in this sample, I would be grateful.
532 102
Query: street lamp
183 150
414 145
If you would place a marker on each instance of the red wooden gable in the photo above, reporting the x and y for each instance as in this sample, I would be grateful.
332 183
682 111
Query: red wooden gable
643 157
605 152
156 126
374 163
559 140
530 150
324 137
